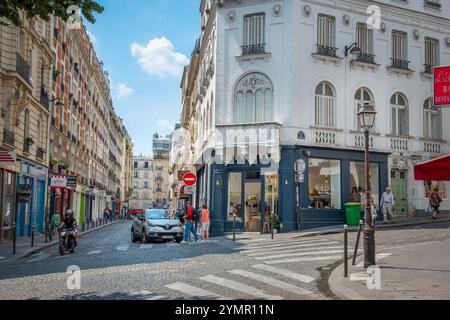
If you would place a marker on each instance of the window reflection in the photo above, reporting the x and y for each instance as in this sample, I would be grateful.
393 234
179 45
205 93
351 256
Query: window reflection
324 184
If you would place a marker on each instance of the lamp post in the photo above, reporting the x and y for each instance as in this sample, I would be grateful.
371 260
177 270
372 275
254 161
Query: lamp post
366 115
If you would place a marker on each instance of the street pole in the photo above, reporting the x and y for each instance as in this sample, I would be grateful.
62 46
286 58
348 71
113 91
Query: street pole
271 223
234 226
369 231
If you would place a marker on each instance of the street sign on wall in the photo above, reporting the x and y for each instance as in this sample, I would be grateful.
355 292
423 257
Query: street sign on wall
442 86
58 181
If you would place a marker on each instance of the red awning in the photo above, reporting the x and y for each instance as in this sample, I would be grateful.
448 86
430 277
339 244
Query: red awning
433 170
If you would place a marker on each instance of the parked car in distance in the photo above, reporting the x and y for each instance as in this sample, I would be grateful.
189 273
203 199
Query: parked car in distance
156 224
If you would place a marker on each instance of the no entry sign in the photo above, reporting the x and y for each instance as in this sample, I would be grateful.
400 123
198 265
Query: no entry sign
189 179
442 86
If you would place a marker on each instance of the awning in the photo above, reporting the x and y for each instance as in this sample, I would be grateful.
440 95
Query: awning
433 170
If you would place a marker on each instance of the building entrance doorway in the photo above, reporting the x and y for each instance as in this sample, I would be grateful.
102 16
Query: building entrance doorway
252 191
399 183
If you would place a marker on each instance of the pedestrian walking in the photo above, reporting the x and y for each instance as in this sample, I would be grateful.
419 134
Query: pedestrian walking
197 217
435 202
205 223
387 202
189 228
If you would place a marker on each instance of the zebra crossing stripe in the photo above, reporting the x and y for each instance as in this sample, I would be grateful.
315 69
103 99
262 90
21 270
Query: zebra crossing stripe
194 291
294 250
270 281
156 298
299 254
290 247
281 244
285 273
90 253
309 259
146 246
237 286
39 258
123 247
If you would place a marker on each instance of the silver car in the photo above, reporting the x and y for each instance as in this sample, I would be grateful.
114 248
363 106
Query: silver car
155 224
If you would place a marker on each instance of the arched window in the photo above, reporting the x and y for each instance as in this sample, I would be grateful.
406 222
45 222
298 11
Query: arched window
432 121
399 114
363 95
253 99
325 105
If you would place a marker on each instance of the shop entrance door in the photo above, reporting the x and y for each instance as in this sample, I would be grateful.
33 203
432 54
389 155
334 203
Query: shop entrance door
253 207
399 182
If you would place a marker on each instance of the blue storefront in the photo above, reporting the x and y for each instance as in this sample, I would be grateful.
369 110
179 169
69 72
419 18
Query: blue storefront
32 212
331 178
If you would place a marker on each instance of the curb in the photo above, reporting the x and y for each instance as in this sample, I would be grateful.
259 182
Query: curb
355 229
48 245
335 279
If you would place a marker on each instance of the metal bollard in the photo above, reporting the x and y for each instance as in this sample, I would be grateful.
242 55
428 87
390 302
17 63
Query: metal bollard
361 224
234 227
32 237
345 251
14 238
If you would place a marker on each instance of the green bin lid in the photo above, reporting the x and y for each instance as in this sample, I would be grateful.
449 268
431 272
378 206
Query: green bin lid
352 204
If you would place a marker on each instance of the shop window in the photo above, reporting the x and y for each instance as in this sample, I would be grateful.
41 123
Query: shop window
324 184
235 195
358 180
430 185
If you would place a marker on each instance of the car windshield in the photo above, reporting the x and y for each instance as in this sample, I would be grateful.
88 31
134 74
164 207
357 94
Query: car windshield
155 214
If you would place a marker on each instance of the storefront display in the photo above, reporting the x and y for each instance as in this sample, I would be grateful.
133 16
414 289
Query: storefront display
324 184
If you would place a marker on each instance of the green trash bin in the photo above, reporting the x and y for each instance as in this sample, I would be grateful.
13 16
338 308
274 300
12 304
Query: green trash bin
353 212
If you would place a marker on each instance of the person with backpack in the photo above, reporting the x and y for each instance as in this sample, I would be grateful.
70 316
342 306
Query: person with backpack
435 202
189 228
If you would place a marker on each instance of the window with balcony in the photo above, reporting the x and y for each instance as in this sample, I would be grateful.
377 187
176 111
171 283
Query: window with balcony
433 4
432 118
364 39
254 34
431 55
399 115
325 105
363 95
326 36
253 99
400 50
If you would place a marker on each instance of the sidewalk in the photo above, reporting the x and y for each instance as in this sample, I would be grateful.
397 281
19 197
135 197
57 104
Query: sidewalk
413 272
24 249
398 223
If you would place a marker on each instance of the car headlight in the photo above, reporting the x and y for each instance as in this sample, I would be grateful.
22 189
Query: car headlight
150 224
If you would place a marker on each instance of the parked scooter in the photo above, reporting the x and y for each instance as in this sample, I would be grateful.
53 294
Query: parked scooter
66 241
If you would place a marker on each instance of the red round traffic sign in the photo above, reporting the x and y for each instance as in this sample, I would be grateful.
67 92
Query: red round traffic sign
189 179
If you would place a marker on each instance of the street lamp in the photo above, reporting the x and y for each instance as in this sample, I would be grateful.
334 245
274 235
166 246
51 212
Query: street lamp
353 49
366 115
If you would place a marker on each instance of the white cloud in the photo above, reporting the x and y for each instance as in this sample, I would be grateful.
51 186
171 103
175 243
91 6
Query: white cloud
159 57
93 38
165 124
124 91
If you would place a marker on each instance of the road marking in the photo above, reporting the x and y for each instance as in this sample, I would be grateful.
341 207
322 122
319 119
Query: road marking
146 246
378 257
94 252
156 298
141 293
285 273
270 281
41 257
299 254
237 286
271 245
172 244
62 257
123 247
295 250
1 258
290 247
194 291
303 259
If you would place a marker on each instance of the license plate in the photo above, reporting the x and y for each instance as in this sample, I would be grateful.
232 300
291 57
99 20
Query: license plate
167 237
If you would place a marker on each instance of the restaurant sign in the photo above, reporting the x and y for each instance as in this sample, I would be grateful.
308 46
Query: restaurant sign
442 86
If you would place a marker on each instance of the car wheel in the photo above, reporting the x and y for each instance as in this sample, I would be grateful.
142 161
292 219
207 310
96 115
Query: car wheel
133 236
144 237
178 240
62 249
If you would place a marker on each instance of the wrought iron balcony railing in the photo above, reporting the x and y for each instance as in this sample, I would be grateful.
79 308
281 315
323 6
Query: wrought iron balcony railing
400 64
433 4
8 137
40 153
45 101
428 69
254 49
326 51
366 58
23 69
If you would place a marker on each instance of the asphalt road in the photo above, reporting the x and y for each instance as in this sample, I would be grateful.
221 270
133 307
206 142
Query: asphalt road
112 267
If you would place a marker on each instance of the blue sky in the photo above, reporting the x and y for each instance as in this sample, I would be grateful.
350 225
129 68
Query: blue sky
144 45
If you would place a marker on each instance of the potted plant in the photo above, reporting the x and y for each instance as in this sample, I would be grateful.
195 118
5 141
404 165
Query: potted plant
63 164
29 141
53 161
275 222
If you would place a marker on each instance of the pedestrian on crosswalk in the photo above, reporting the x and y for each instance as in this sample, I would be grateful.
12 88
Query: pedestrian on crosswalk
189 228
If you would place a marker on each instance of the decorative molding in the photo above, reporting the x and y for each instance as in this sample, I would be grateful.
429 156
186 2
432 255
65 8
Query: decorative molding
254 57
355 65
383 27
327 59
231 17
306 10
416 34
447 42
400 72
254 81
276 10
346 20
